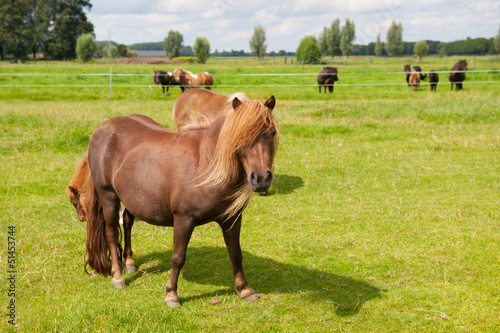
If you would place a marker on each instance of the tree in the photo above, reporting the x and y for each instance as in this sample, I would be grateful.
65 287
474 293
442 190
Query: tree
13 30
201 49
122 50
67 22
323 40
173 44
347 35
85 47
334 40
497 42
394 44
421 49
257 42
113 51
379 47
308 50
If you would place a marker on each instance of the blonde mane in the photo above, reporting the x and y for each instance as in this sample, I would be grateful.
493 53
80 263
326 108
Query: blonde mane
82 183
240 130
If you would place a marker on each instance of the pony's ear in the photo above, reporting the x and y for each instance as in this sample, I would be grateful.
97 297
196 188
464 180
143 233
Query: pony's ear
236 103
71 190
270 103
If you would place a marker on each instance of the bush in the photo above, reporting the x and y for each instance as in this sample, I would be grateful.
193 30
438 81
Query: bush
85 47
308 50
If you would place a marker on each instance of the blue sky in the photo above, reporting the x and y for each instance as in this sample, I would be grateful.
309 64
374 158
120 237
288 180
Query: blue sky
228 24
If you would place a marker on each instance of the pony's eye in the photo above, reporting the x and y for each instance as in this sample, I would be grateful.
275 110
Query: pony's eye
273 133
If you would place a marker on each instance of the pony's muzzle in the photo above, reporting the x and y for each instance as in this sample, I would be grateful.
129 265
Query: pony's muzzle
260 183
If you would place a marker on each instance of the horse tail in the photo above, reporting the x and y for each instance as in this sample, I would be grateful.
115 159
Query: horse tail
97 253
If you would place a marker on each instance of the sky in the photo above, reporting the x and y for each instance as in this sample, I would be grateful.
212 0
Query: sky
229 24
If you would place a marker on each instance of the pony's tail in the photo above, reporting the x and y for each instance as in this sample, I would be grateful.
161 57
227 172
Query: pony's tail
97 253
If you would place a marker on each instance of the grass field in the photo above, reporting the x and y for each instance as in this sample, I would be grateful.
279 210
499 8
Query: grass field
383 214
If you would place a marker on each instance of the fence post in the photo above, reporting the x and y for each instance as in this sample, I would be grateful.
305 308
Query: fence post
110 81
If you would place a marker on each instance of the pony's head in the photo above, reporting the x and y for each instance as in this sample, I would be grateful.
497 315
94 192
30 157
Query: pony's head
248 140
462 65
177 73
80 189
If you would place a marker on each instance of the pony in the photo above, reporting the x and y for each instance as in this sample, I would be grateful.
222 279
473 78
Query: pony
166 80
414 79
178 179
408 69
457 74
196 106
189 80
433 79
327 77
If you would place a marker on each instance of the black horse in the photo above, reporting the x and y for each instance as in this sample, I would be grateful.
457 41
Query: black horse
327 77
457 74
407 69
166 80
433 79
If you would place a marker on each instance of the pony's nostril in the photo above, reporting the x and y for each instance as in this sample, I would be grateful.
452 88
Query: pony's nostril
269 176
254 176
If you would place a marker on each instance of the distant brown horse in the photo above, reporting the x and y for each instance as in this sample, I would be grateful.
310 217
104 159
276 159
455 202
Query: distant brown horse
457 74
327 78
433 79
186 179
196 106
189 80
414 79
408 69
166 80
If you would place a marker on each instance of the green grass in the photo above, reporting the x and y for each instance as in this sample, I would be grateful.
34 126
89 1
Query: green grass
383 214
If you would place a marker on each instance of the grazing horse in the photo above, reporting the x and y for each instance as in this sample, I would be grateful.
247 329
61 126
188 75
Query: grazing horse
414 80
166 79
189 80
457 74
408 69
327 77
179 179
196 106
433 79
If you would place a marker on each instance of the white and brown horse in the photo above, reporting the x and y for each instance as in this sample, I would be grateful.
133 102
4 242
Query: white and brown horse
197 106
189 80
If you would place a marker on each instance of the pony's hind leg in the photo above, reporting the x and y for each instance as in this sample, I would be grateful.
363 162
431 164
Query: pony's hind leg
128 222
111 212
231 231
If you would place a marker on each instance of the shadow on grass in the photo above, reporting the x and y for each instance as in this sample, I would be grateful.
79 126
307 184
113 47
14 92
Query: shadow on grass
284 184
211 266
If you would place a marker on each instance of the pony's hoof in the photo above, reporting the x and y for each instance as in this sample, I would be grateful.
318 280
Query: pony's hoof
118 284
251 298
173 304
130 269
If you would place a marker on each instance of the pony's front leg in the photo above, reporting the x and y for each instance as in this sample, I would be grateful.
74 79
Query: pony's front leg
128 223
231 231
183 229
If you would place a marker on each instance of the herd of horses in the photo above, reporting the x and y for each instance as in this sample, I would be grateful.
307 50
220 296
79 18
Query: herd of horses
222 152
413 75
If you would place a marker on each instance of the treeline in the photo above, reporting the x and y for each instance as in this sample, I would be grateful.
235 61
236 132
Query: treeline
469 46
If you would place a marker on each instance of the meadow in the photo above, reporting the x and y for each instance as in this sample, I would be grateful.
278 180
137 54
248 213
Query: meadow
383 214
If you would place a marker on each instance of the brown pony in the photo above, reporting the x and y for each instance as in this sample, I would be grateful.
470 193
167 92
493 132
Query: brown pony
196 106
179 179
457 74
414 79
433 79
166 80
189 80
